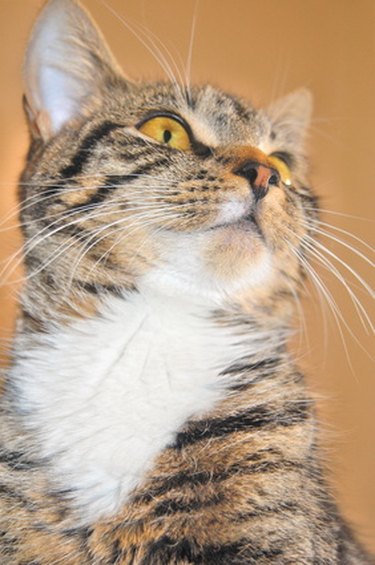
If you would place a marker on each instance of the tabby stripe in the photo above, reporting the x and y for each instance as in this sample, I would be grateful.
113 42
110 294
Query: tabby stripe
270 363
194 201
168 550
80 532
116 552
244 112
176 481
271 466
165 549
262 511
17 461
121 554
10 540
98 288
11 495
89 142
116 180
173 506
242 377
38 208
112 181
236 553
203 478
73 230
33 320
258 417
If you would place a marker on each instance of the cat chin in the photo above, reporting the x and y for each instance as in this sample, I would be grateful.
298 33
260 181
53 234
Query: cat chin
214 266
235 251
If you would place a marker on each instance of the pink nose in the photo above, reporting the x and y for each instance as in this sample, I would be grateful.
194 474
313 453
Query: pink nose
259 176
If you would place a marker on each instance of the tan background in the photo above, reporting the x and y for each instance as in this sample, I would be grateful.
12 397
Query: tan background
261 50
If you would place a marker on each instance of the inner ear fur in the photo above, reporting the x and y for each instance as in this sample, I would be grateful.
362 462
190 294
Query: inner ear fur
67 68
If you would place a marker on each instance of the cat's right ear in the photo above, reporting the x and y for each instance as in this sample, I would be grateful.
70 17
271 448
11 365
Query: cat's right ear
67 68
291 116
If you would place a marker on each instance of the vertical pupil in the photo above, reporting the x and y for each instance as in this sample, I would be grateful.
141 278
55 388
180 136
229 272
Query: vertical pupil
167 136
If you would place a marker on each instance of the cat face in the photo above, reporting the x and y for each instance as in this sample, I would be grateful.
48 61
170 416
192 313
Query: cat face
187 191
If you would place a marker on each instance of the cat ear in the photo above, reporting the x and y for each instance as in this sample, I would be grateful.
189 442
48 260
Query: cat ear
67 65
291 116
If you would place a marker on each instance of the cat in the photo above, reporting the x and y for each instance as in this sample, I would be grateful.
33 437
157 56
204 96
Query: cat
152 412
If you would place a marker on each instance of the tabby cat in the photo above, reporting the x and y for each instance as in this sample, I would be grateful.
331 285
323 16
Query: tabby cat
152 413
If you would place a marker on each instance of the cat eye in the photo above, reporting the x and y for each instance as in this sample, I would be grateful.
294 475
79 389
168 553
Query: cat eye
167 130
282 167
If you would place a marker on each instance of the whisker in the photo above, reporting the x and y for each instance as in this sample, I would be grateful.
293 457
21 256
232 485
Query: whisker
64 247
37 199
81 177
153 49
343 214
189 59
87 248
83 209
326 233
343 263
361 311
124 235
37 239
338 317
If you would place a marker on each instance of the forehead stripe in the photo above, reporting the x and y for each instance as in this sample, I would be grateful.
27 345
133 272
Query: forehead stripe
89 142
112 181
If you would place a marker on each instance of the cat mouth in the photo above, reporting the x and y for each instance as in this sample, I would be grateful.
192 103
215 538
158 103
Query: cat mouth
247 223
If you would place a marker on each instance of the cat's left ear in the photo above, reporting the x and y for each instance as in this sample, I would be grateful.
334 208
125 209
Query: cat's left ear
291 117
67 68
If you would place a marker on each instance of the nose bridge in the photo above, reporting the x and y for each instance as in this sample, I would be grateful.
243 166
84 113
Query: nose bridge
241 154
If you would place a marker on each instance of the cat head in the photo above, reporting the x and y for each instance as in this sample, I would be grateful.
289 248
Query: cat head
187 191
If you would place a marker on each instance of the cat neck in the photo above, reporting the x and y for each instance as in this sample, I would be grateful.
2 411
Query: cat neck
106 394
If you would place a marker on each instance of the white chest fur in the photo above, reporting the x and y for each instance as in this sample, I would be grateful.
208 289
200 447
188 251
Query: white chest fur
106 395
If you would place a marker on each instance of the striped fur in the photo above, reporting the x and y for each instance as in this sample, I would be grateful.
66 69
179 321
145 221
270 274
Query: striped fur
159 298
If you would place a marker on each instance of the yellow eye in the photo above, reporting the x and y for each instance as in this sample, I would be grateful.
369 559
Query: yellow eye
282 168
166 130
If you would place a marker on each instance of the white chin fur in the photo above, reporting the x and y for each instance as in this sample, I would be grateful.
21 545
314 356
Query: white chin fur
182 273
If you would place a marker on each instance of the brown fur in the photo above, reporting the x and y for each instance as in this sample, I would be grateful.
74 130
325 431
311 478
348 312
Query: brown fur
242 483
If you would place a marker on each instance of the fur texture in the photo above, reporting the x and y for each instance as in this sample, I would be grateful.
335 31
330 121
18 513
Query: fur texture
152 413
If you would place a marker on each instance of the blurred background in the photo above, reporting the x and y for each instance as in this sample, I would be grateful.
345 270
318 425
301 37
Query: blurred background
260 50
